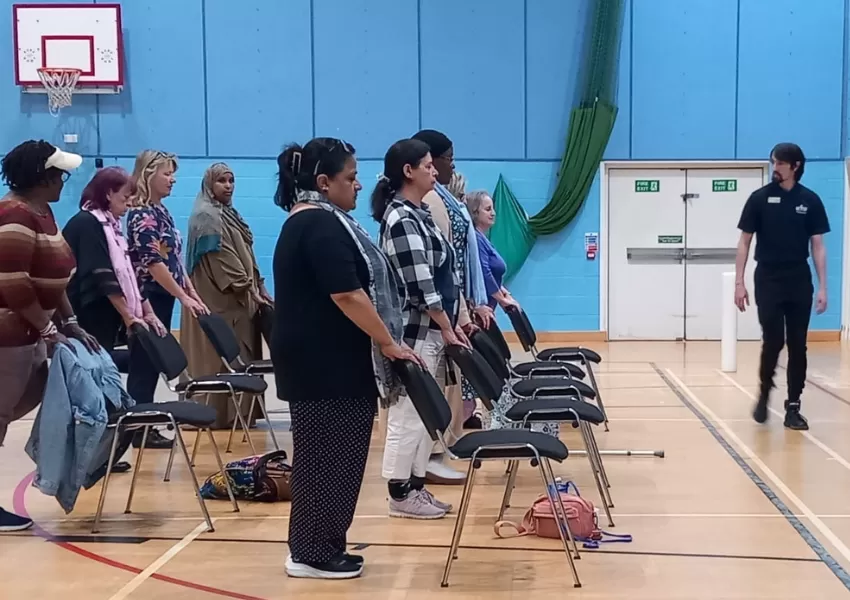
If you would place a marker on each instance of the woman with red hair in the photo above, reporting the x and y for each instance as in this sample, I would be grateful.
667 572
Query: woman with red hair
104 291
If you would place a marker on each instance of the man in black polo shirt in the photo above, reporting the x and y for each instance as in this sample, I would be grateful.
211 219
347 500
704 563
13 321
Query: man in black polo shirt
787 218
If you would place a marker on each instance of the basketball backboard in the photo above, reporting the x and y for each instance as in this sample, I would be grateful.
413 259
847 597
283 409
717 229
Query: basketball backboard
79 36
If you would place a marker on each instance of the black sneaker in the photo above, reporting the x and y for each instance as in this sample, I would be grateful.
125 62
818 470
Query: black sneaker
355 558
760 411
10 522
155 440
793 419
336 568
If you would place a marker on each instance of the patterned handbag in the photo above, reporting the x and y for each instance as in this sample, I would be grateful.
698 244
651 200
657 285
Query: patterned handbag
260 478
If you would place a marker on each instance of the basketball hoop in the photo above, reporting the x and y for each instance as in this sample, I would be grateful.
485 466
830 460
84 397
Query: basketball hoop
60 84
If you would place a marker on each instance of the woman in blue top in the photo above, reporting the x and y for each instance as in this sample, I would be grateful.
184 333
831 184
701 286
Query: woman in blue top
480 206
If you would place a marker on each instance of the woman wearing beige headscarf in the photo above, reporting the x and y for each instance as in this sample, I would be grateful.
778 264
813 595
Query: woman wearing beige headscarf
221 264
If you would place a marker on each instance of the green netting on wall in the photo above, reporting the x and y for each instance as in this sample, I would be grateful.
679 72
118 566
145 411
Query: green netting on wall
591 123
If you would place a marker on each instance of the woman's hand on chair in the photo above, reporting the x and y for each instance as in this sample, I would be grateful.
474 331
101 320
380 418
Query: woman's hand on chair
395 351
73 330
196 307
51 342
485 315
151 321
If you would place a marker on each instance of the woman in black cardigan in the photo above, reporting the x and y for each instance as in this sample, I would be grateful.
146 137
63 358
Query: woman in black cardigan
104 291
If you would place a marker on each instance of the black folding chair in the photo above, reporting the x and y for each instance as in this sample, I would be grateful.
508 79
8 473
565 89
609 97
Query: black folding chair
169 359
478 446
559 402
226 345
585 356
536 368
172 415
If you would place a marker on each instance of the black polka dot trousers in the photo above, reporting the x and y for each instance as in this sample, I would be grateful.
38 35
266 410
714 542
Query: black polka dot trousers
330 445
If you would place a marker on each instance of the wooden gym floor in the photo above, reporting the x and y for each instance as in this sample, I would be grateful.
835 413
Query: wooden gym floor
734 510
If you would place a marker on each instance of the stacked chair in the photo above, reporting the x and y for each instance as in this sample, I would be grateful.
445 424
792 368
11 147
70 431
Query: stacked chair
478 446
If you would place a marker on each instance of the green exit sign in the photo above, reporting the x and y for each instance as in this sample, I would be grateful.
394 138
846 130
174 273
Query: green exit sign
724 185
647 185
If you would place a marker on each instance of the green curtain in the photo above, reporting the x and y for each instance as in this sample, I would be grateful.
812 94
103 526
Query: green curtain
591 124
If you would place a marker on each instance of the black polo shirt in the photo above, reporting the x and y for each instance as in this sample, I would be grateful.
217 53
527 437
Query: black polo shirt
783 222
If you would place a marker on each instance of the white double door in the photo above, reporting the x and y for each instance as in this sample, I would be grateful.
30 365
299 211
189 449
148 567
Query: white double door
672 233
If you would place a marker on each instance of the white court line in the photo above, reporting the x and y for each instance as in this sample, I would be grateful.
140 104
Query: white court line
160 562
759 463
835 456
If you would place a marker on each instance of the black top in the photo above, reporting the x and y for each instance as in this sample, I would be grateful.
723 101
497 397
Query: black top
94 278
318 352
783 221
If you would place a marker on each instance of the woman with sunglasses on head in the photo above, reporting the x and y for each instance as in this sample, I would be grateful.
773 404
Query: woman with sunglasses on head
36 265
155 247
338 324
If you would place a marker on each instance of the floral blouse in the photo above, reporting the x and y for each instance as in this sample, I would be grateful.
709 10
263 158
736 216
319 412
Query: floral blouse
153 238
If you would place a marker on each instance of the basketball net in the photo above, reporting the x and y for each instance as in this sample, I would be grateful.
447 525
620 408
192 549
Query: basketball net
60 84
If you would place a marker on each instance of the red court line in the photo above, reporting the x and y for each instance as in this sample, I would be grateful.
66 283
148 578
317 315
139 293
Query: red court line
19 506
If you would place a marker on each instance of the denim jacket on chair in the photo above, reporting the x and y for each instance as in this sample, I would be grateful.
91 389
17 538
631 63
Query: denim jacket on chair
72 419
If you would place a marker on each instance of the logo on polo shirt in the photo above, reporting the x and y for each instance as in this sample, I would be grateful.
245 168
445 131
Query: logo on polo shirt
802 209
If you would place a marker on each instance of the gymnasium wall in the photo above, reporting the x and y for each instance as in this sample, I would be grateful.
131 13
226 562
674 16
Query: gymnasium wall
235 81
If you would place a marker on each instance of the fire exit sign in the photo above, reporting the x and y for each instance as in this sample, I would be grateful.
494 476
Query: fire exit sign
647 185
724 185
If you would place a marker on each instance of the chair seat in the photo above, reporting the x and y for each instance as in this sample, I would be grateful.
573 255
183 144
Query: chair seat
547 368
223 383
184 413
514 443
526 388
569 353
260 367
561 410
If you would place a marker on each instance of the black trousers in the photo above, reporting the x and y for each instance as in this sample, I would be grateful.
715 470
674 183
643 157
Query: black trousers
330 444
143 376
784 300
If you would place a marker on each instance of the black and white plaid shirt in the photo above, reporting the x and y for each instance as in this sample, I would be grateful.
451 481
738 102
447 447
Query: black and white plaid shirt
416 248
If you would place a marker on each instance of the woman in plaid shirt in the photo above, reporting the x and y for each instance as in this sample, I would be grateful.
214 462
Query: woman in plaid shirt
424 261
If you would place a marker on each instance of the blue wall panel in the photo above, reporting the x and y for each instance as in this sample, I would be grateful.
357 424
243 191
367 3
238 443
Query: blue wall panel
555 47
698 79
259 92
790 77
162 105
473 73
367 72
683 83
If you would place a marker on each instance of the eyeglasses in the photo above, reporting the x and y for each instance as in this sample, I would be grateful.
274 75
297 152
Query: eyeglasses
65 176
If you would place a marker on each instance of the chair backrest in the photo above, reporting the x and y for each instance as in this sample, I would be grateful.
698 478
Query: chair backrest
165 353
522 327
485 346
499 340
478 372
221 336
427 397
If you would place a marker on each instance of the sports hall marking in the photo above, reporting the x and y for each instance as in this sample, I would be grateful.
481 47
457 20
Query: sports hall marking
709 418
832 453
160 562
826 390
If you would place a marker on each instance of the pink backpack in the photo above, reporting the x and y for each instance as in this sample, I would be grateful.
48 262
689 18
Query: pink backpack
581 519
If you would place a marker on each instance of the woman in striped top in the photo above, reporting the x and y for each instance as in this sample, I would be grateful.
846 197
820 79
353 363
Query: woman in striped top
35 267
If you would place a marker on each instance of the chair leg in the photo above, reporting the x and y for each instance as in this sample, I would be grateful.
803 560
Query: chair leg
103 489
560 515
262 404
179 439
513 467
171 462
237 404
598 394
592 437
250 416
591 458
136 470
461 517
221 469
197 442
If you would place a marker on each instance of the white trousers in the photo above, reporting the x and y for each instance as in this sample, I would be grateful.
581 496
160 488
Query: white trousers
408 445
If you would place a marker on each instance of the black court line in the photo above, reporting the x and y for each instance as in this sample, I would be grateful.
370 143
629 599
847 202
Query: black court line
822 553
132 540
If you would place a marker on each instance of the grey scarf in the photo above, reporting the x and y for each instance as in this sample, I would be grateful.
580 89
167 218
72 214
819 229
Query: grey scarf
383 291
